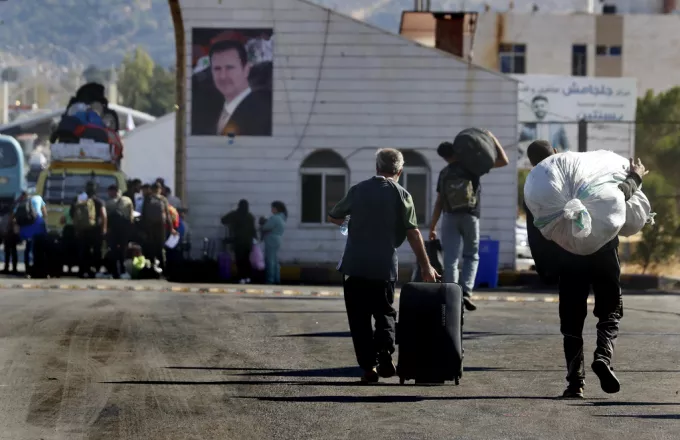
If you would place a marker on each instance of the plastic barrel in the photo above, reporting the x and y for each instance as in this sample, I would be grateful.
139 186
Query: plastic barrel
487 271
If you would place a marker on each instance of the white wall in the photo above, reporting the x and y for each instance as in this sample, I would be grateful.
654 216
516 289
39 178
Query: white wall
650 43
343 85
149 151
650 51
549 39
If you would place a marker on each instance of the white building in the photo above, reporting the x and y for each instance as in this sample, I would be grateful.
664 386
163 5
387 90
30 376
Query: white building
624 38
150 151
341 90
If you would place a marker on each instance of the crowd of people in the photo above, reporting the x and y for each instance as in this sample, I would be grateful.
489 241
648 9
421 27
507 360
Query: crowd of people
242 234
125 234
129 235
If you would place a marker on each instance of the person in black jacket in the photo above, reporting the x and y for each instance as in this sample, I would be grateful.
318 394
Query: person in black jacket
577 274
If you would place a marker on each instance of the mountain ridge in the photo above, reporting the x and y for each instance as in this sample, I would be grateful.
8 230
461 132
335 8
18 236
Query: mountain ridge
100 33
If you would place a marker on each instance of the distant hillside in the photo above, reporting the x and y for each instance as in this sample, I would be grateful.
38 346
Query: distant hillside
74 33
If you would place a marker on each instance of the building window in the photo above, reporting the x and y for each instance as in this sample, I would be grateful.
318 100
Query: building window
416 179
324 177
512 58
579 60
612 51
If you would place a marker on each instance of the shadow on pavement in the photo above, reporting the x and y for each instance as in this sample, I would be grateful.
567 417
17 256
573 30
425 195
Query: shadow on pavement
643 416
294 311
227 368
356 371
317 335
386 399
610 403
654 311
347 334
350 372
249 382
291 298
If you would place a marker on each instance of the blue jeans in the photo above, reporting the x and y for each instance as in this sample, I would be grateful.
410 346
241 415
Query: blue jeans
272 270
460 232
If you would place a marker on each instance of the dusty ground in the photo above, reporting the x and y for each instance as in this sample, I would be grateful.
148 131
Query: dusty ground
150 365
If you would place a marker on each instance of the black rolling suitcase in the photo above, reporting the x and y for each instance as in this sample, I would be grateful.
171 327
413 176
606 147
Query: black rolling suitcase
430 333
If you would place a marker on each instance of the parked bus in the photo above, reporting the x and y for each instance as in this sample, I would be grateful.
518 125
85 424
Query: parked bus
12 176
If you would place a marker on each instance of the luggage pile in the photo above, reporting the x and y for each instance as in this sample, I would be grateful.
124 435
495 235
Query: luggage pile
476 149
88 119
577 204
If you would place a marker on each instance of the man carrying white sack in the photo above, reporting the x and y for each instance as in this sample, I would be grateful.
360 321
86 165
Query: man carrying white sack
600 270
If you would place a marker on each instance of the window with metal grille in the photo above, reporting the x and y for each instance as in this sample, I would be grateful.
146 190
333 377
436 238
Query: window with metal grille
512 58
579 60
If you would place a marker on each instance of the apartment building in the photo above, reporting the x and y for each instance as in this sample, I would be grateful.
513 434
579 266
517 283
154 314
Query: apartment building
625 38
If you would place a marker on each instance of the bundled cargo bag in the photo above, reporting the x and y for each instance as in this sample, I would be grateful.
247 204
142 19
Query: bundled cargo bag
476 149
576 201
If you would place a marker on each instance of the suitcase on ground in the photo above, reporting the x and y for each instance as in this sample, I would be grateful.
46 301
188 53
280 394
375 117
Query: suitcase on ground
435 254
224 264
203 270
430 333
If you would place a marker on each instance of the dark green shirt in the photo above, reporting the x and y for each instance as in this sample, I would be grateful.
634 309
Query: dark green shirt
381 213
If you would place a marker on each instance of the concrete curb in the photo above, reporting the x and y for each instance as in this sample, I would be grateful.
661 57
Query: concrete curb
541 298
328 275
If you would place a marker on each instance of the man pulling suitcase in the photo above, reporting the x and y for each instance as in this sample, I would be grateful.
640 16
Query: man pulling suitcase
382 216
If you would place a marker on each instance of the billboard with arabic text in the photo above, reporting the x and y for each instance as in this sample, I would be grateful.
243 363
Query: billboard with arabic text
551 106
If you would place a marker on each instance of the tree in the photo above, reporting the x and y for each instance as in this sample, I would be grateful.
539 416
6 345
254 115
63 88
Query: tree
162 96
134 80
657 138
145 86
659 241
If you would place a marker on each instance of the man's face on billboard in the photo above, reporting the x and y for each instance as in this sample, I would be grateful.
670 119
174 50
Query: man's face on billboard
229 74
540 108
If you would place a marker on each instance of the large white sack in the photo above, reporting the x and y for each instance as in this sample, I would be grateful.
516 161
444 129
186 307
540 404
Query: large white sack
575 199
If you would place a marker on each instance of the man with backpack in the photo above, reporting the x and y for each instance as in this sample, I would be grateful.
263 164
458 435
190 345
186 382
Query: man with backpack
458 197
30 215
119 211
157 220
88 214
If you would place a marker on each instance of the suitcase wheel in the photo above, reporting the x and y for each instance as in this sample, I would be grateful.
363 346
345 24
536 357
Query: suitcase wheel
458 381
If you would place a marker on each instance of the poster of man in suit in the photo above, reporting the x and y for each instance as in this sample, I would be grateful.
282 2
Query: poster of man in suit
231 87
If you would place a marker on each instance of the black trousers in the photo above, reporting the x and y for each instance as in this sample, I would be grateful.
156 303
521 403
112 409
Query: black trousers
366 299
242 257
89 250
154 243
117 242
11 254
578 274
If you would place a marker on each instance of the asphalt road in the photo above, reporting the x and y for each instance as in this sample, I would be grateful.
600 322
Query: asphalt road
149 365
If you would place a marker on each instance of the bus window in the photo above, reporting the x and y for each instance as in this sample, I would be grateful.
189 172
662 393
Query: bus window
8 155
62 189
